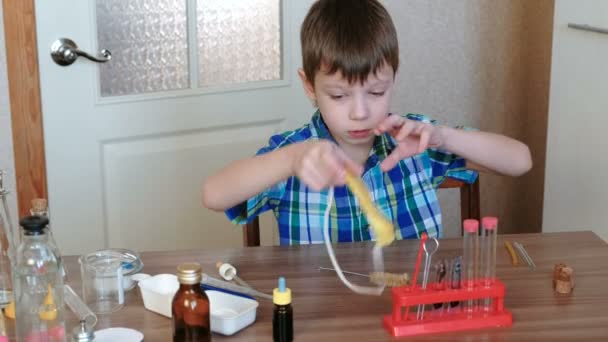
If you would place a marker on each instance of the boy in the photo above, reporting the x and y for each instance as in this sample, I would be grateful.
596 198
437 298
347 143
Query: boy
350 58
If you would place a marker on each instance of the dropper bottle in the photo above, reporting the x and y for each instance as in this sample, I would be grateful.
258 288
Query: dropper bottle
282 317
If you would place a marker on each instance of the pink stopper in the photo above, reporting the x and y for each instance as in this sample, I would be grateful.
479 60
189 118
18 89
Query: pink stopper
489 222
471 225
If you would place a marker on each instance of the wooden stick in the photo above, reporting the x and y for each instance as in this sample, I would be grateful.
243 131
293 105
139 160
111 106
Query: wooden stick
514 258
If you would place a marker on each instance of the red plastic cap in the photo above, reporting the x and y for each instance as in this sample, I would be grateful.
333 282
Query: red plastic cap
489 222
471 226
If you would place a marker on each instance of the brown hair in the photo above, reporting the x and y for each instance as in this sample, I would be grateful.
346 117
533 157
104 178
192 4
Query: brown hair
355 37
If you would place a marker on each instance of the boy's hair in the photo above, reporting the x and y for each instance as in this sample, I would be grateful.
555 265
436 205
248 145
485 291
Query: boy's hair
355 37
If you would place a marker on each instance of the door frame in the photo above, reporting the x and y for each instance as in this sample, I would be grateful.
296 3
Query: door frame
25 104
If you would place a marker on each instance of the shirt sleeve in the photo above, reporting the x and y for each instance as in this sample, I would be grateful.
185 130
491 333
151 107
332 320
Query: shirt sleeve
266 200
446 164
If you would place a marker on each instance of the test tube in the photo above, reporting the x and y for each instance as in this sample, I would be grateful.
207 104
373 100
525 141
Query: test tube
78 307
488 256
470 263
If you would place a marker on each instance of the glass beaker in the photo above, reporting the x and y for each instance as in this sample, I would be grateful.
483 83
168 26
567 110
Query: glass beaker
102 283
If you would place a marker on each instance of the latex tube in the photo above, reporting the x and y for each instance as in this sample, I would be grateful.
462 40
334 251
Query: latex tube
377 256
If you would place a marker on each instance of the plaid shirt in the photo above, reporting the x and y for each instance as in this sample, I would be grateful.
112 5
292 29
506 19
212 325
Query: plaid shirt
406 194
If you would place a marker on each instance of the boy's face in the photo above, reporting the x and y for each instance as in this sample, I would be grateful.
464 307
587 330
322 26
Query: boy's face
351 111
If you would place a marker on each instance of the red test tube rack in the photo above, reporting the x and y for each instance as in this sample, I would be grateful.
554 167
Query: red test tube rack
446 320
448 317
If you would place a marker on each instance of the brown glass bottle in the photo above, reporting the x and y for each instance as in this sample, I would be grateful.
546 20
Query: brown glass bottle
190 307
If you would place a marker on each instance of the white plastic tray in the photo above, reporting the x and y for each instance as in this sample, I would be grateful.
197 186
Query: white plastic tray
229 313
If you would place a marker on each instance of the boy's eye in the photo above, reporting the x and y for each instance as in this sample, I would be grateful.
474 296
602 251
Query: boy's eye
336 97
377 93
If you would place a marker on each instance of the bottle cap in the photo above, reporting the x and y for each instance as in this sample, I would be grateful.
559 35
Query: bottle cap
34 225
471 225
489 222
282 294
189 273
82 333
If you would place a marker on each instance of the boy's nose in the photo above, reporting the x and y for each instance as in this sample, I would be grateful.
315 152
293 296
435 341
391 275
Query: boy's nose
358 110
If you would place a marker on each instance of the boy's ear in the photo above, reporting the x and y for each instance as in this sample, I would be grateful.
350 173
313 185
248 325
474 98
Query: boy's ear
308 86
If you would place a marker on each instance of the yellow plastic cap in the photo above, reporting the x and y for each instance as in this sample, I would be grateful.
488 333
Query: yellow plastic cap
281 298
282 294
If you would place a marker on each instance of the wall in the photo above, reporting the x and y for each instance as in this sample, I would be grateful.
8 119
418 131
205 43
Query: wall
577 191
480 63
484 64
6 138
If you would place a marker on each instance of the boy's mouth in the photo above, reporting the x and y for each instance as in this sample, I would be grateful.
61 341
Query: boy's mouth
360 134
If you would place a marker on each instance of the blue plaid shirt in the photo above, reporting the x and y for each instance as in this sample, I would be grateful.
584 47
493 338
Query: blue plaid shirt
406 194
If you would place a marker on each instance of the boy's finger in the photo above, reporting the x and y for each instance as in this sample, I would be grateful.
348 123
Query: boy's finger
340 177
335 167
348 163
311 180
390 123
389 162
425 136
406 130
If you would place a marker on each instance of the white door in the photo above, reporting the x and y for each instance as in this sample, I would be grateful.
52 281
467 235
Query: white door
576 181
191 85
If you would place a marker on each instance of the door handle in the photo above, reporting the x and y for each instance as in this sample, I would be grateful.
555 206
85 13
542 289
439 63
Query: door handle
65 52
584 27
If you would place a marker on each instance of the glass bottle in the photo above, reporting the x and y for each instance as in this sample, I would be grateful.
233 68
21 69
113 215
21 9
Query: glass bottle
38 285
40 208
190 306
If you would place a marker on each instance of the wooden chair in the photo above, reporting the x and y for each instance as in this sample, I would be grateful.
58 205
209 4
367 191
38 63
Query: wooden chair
469 208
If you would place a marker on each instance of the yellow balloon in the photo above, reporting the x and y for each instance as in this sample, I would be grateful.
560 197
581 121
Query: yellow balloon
383 228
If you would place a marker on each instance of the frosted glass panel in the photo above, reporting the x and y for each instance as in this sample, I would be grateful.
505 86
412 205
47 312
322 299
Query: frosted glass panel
238 41
149 45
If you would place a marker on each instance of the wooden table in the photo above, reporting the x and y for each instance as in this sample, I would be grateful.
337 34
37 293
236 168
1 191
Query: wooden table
324 310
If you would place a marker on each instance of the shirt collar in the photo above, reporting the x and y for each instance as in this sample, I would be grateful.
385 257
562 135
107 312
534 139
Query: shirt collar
383 145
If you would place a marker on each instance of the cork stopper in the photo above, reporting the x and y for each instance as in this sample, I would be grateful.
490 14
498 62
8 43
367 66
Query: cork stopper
39 206
563 279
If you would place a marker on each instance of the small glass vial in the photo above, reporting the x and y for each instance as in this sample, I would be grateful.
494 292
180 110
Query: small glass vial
488 256
282 317
190 306
38 286
469 267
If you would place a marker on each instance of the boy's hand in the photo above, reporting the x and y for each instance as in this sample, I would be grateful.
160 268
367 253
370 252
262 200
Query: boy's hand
320 164
413 137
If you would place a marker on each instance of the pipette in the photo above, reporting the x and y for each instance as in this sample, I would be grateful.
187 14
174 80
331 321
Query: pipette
228 272
208 280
